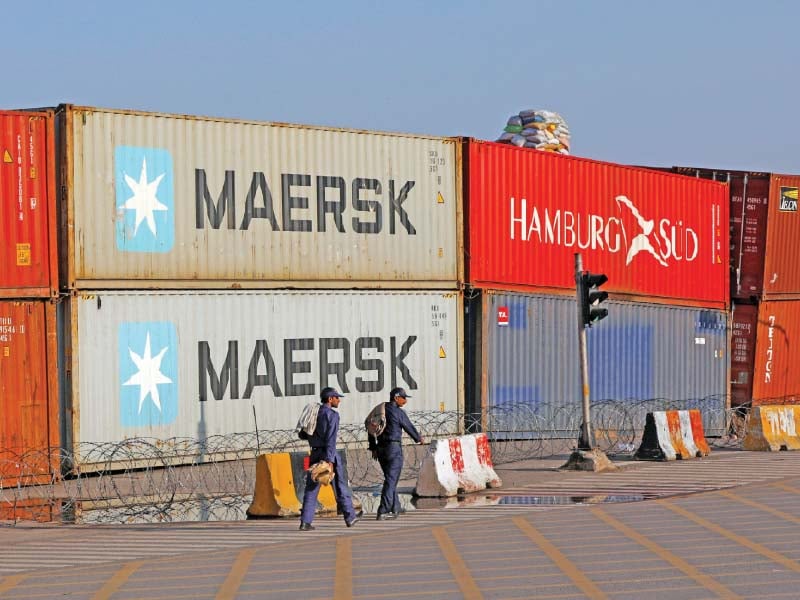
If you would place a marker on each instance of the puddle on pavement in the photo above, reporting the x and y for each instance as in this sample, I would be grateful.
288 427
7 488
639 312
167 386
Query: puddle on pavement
562 500
370 500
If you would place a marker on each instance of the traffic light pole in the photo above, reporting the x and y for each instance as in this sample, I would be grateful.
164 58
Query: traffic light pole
586 439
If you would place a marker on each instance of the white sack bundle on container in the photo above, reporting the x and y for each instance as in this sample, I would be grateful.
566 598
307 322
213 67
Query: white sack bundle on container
540 129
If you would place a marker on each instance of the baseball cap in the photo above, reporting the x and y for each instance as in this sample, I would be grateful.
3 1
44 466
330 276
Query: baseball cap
398 391
329 392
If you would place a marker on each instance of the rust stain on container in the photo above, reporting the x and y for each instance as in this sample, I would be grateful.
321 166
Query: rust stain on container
28 391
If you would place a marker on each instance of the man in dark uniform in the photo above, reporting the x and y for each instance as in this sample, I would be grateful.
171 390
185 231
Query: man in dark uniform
323 447
388 451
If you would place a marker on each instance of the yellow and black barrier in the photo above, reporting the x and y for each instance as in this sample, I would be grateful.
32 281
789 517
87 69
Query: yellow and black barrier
281 481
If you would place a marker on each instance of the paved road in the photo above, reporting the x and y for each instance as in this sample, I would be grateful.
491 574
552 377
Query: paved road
723 527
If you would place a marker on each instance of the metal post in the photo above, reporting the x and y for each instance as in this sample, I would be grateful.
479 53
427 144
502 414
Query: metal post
586 439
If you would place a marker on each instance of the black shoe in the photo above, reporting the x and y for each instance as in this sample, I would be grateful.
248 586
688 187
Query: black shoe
386 516
355 519
307 527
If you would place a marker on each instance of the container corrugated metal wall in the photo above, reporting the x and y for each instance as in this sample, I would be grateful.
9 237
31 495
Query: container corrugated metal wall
28 263
28 390
659 237
782 256
194 364
776 376
749 204
749 198
640 352
170 201
765 247
743 352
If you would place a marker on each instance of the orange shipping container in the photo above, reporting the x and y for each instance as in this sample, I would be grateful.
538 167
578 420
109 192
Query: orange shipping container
28 263
776 376
782 256
28 391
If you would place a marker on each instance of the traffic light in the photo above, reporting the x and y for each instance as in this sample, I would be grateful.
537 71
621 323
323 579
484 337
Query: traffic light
592 296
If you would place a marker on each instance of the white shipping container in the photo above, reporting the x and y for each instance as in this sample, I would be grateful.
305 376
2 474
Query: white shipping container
196 364
174 202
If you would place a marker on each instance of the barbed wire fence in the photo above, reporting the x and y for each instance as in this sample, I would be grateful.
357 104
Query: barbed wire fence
181 479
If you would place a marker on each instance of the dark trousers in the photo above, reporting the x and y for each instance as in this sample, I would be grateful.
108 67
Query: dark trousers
344 501
391 460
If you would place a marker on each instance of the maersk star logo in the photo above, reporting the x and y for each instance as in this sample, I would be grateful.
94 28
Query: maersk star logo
145 199
148 374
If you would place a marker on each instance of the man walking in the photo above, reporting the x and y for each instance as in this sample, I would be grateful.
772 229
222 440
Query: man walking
323 447
387 449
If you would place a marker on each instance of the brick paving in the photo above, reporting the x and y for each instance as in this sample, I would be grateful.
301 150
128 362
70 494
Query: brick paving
729 531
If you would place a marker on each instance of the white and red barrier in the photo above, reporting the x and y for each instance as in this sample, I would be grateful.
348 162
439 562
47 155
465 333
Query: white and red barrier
673 435
457 466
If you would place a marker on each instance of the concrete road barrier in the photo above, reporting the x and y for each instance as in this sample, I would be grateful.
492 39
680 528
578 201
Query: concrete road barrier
457 465
773 428
281 481
673 435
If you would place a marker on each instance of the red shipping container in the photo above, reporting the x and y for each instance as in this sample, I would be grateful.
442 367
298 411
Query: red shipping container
776 377
749 198
28 264
29 435
659 237
764 232
743 352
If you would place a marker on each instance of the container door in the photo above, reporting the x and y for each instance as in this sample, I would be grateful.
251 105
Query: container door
27 268
26 417
748 235
743 346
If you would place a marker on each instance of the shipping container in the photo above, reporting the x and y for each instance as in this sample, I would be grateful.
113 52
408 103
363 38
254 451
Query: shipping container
210 363
28 263
29 429
776 377
743 352
782 256
522 352
171 201
659 237
764 231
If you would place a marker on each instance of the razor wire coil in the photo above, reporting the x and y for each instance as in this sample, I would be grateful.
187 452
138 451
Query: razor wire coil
184 479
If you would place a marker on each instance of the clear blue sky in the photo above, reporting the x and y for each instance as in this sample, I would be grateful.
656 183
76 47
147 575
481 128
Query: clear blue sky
700 83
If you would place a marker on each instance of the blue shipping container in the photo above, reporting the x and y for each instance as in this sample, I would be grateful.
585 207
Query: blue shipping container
522 358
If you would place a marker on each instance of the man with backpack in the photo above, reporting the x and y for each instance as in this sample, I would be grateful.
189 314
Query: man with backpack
387 449
323 448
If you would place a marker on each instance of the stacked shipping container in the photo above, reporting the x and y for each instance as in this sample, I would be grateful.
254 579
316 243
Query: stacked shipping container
765 284
661 239
185 243
205 208
28 266
28 281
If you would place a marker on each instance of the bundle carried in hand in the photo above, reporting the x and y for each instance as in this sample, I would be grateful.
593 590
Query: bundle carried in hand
321 472
540 129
